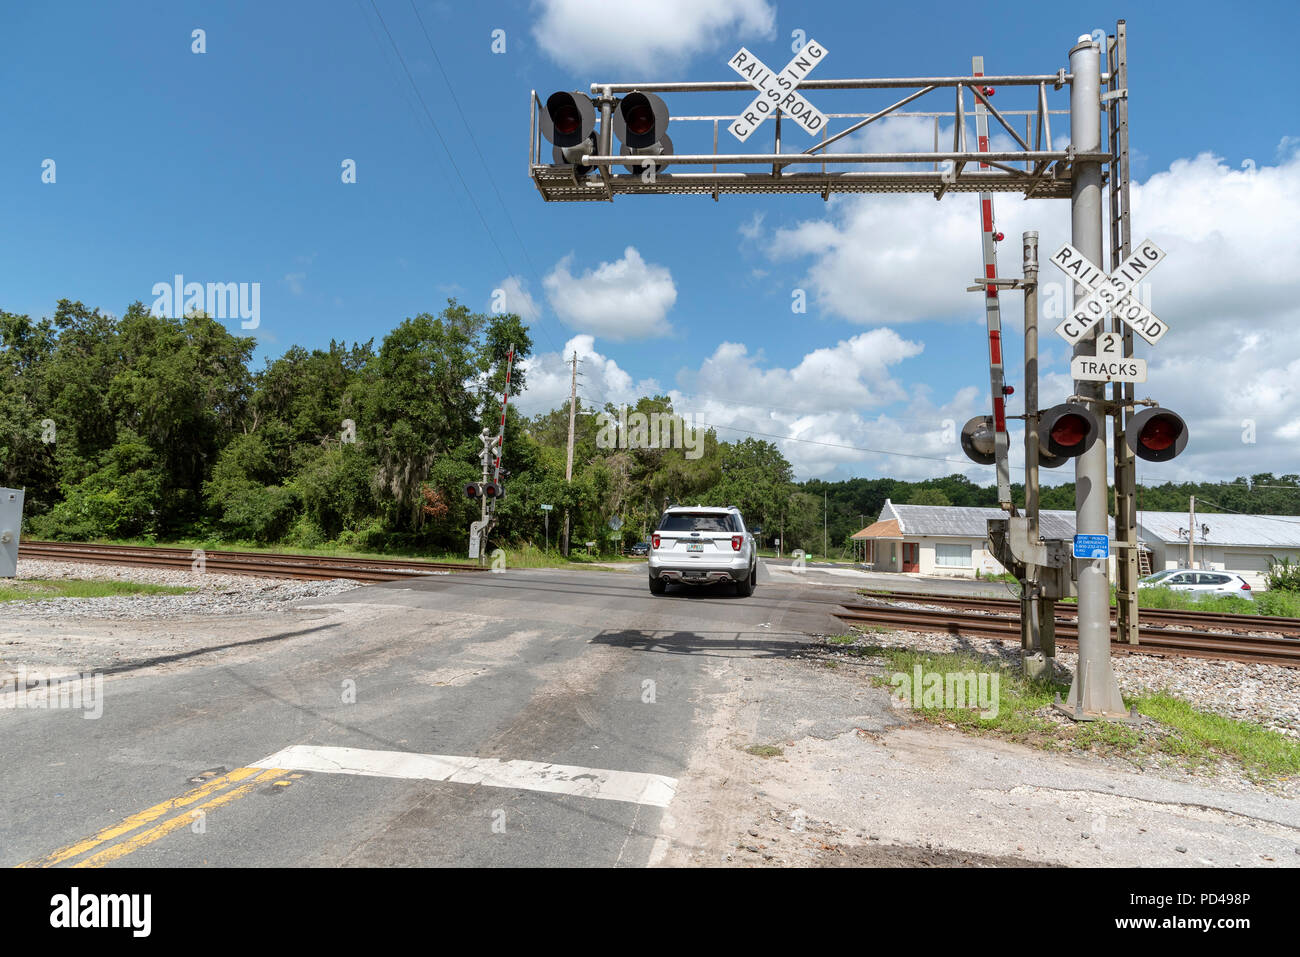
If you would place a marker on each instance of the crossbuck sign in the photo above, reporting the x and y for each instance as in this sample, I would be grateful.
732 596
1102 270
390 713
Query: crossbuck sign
1114 293
776 91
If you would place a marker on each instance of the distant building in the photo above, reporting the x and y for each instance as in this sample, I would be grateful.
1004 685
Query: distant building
1224 542
953 540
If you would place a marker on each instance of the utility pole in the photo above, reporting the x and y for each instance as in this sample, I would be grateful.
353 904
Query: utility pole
1191 532
826 551
568 464
1094 693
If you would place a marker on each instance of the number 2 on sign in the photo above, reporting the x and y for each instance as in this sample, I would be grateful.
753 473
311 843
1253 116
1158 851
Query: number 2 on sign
1110 344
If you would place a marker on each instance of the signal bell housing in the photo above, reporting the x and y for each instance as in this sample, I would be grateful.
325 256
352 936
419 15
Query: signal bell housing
1156 434
977 440
1066 431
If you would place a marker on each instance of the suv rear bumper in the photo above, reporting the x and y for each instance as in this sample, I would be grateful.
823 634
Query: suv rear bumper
699 573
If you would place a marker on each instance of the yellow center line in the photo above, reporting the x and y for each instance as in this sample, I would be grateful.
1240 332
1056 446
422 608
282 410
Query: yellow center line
139 820
147 837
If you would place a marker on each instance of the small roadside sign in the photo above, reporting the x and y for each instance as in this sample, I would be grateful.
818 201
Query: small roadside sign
547 508
1109 364
1091 546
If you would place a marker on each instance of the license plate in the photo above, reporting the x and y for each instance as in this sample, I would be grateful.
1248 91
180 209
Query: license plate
695 547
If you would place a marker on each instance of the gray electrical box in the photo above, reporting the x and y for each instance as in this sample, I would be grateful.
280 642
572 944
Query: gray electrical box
11 523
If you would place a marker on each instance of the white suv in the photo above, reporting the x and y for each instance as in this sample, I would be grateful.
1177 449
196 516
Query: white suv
1200 583
703 545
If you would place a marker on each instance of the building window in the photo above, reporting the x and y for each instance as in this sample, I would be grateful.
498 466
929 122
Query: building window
952 556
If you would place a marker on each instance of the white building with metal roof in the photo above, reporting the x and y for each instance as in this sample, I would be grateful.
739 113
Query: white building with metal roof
953 540
944 539
1223 542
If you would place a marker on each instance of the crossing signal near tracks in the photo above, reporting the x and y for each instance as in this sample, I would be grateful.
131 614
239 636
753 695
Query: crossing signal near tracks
488 490
1067 431
1156 434
641 125
569 123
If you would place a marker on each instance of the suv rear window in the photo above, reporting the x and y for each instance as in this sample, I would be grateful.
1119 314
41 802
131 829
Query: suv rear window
697 522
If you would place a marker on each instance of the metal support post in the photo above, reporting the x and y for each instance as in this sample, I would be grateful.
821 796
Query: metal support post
1094 693
1126 563
1034 661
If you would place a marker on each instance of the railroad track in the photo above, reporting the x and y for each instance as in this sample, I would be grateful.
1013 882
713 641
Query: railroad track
261 564
1153 640
1171 617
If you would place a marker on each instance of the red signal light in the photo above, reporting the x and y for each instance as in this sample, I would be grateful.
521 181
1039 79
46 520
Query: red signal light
567 120
1069 430
1156 434
472 489
640 119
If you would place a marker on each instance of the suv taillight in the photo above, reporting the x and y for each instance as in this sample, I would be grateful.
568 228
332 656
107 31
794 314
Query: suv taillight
736 542
654 540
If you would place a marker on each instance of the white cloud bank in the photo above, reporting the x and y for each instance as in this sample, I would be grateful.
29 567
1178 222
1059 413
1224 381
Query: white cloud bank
639 36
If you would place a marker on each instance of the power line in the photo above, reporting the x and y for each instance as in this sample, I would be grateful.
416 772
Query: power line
450 156
1267 518
468 129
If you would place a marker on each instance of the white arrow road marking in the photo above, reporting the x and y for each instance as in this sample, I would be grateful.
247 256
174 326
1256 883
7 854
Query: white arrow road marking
635 787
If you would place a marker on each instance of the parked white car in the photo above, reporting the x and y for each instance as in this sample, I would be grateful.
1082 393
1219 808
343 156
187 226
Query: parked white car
1198 583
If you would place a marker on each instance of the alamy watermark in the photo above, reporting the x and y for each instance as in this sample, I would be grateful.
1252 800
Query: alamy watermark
220 300
654 430
83 692
950 691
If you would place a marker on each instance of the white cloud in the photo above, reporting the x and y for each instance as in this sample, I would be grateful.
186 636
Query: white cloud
638 36
602 380
625 299
1229 289
295 281
512 295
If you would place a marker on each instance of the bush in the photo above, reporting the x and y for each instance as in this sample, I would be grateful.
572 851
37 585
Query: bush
1283 576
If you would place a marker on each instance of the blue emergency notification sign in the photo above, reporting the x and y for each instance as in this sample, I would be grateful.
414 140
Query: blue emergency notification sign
1091 546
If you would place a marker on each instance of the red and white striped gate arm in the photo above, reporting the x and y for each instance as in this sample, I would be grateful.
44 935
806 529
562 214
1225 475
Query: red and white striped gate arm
992 307
505 399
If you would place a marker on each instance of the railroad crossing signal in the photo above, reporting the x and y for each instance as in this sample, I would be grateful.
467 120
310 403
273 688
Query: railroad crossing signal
776 91
1067 431
1156 434
1113 293
569 123
640 122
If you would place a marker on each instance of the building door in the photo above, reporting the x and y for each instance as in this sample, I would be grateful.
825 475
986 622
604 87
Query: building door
911 557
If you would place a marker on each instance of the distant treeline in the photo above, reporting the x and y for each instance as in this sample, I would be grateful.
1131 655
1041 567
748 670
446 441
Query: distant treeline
147 427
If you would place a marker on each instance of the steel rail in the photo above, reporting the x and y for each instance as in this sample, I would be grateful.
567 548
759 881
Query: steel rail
265 564
1198 644
1240 622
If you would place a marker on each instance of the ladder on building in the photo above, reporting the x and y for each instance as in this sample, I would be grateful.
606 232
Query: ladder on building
1144 563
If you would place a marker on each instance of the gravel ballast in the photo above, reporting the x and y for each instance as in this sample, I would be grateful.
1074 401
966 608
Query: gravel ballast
215 594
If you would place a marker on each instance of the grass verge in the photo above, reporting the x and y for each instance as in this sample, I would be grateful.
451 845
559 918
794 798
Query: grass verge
1179 733
40 589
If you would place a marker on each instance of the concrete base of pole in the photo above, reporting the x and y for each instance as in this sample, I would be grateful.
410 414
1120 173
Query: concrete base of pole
1038 666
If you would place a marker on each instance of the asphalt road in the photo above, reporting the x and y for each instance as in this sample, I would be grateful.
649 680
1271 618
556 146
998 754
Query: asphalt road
559 708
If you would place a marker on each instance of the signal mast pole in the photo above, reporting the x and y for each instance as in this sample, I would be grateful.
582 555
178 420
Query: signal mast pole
1094 692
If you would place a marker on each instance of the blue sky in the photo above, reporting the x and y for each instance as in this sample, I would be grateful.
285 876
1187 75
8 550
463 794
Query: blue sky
225 166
